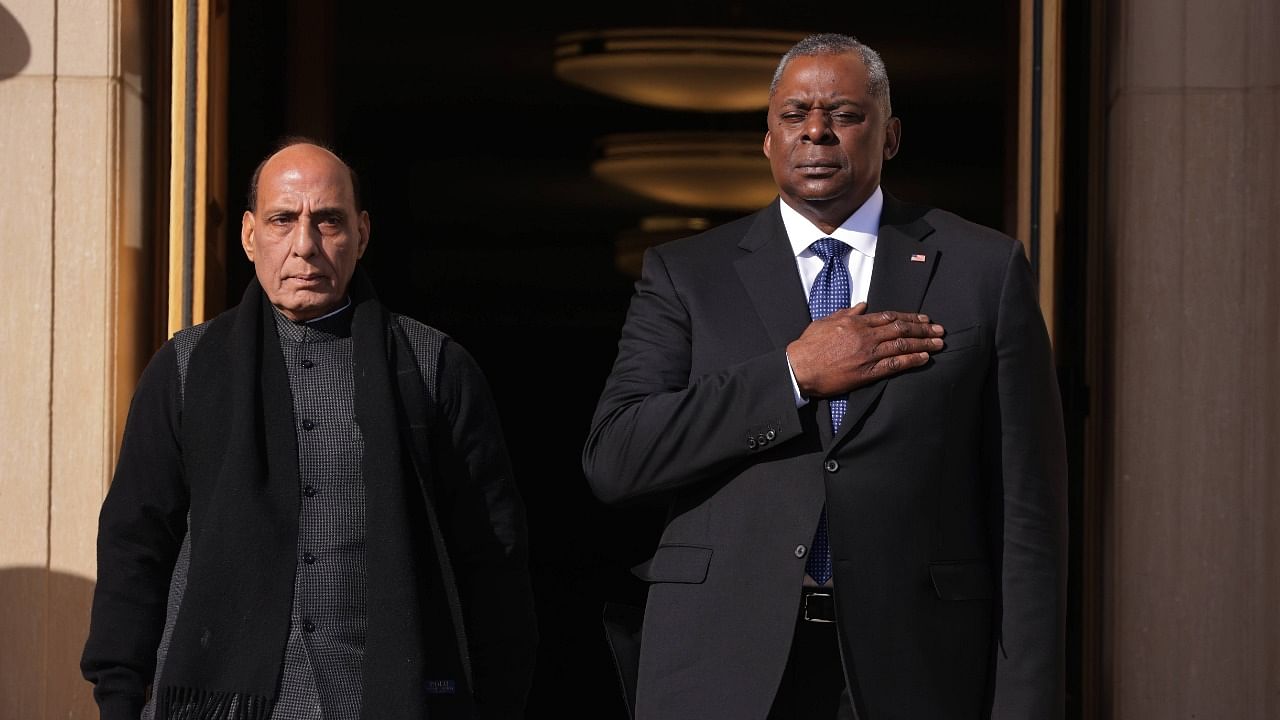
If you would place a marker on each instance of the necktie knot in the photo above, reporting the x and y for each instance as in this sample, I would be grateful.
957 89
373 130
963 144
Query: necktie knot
830 291
827 248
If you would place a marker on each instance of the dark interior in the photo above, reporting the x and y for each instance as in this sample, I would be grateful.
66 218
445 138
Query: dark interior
487 224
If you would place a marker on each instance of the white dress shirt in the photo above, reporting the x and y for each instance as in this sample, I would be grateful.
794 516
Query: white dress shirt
859 232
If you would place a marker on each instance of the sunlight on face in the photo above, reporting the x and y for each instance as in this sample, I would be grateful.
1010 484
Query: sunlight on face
306 234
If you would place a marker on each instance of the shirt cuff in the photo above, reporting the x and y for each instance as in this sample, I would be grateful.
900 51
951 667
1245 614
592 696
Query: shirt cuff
801 400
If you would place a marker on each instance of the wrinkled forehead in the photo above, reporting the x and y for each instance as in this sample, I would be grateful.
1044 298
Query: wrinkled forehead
307 178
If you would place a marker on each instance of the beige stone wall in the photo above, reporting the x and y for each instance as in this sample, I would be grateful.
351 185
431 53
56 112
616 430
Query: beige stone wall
72 140
1192 537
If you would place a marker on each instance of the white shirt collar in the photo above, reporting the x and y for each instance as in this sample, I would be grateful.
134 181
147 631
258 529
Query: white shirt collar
859 231
331 313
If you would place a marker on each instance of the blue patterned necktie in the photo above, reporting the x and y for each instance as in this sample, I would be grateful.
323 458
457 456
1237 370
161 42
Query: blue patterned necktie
831 291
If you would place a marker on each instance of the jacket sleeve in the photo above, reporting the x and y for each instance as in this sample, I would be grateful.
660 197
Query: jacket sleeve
140 531
656 428
488 537
1032 468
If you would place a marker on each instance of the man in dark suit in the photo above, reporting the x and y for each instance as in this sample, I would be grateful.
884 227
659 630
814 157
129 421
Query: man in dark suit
848 405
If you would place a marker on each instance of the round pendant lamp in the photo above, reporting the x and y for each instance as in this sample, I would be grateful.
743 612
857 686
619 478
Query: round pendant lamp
699 69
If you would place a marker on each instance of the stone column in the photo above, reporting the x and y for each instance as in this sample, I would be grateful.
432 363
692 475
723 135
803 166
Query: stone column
72 140
1191 539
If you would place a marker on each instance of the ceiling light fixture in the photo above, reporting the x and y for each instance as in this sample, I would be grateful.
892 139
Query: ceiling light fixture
721 171
702 69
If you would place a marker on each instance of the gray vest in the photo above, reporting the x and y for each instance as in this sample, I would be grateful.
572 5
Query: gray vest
321 675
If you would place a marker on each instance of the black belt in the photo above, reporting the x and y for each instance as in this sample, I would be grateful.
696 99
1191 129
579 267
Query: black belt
818 605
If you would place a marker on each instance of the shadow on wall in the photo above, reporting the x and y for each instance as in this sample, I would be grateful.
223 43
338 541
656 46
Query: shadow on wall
15 48
44 618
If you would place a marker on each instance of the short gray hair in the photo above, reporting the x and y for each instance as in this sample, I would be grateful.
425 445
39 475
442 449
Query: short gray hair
836 44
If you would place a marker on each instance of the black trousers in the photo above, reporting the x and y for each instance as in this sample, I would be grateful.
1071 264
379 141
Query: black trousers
813 686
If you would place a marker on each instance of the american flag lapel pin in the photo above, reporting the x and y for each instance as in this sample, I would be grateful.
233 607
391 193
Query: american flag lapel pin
918 257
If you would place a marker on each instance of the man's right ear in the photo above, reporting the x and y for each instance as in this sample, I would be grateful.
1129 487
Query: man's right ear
767 134
246 234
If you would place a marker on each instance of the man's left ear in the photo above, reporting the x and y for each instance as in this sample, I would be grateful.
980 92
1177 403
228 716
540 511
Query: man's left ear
892 136
363 227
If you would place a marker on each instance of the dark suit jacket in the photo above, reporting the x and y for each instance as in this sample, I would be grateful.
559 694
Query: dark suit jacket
945 485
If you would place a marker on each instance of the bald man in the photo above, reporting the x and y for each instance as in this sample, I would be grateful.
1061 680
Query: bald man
313 514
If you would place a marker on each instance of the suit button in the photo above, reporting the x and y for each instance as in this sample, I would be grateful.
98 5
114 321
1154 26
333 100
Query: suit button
801 550
308 626
761 441
308 425
751 443
770 435
309 559
831 466
308 364
309 491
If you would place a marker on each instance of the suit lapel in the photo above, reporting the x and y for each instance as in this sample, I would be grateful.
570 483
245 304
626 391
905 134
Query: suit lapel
904 261
768 272
903 267
772 281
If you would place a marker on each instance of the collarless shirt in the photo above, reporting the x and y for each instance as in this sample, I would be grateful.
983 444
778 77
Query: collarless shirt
321 676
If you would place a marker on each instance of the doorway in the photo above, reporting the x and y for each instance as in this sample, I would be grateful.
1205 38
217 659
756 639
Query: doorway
487 224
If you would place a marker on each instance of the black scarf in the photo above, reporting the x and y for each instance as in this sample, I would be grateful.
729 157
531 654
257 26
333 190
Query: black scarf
240 453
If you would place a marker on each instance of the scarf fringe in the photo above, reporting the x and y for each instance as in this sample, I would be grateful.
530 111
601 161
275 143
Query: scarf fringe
180 703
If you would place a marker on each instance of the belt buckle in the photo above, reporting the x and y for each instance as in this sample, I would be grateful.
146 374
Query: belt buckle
805 613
